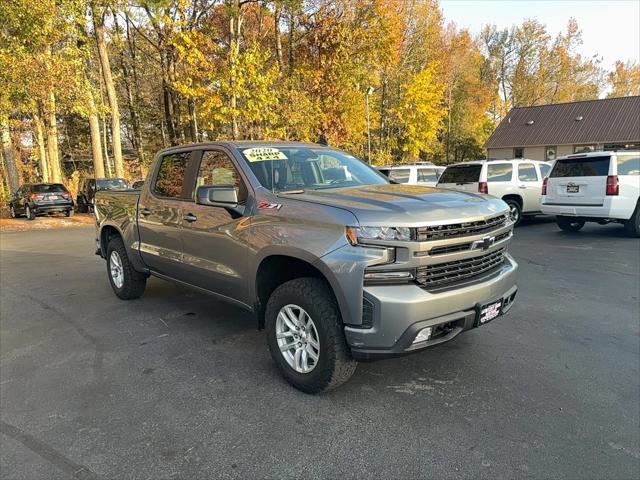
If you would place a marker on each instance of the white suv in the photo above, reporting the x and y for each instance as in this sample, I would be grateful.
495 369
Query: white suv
420 174
598 187
517 182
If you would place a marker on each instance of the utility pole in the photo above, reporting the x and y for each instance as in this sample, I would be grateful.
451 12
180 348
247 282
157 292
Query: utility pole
370 90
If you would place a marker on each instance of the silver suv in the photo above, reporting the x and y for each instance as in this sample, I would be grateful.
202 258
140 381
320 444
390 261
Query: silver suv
517 182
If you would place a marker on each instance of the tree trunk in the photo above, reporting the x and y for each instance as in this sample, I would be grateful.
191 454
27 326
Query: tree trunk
42 148
193 119
105 142
98 26
52 140
13 178
276 21
235 25
96 144
291 34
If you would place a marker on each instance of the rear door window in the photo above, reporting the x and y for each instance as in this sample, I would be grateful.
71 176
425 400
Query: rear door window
461 174
500 172
400 175
628 164
427 175
171 174
384 171
581 167
544 169
527 172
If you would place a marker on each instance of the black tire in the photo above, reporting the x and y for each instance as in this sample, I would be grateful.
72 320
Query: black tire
69 213
29 213
515 209
81 206
334 365
133 282
569 224
632 226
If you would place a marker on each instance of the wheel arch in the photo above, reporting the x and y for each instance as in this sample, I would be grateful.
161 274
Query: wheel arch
275 268
515 197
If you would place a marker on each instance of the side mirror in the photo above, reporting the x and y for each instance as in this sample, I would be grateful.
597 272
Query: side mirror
217 196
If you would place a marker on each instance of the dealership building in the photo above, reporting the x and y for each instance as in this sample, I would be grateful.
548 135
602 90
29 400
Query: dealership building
546 132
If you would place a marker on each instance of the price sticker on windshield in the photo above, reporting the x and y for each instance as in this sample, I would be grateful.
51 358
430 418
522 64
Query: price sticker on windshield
263 154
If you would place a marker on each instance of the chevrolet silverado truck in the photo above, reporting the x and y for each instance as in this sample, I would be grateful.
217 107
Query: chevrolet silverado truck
338 263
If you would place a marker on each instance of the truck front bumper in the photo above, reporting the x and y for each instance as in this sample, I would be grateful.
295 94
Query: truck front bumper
400 312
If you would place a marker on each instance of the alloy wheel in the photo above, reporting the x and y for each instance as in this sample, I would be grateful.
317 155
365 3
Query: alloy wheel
297 338
116 270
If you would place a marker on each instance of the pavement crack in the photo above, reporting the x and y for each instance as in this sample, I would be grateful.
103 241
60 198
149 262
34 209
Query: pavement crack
48 453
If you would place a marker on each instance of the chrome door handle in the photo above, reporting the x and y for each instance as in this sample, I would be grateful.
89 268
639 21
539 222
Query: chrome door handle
522 186
145 211
190 217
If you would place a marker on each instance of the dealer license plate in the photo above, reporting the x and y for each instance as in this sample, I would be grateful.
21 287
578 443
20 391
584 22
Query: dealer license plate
52 197
489 312
573 188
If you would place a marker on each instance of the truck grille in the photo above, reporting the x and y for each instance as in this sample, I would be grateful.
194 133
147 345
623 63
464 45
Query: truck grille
461 247
437 232
443 274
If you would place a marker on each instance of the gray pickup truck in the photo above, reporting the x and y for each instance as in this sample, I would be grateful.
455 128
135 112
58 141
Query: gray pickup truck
338 263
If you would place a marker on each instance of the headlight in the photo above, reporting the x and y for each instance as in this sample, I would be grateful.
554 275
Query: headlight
378 233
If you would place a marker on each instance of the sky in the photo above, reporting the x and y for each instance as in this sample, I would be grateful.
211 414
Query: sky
610 28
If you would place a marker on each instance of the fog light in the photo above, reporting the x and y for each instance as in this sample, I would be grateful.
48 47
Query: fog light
423 335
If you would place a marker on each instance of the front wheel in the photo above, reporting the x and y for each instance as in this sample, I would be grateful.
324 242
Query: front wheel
29 213
305 336
569 224
126 282
515 210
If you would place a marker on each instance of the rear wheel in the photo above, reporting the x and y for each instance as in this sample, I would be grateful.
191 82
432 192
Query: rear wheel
515 210
126 282
29 213
632 226
569 224
305 336
69 213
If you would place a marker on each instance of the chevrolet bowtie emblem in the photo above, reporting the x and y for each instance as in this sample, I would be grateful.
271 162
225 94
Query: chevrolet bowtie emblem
483 244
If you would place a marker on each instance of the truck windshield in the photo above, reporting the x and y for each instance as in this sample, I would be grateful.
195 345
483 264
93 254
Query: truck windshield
282 169
461 174
111 184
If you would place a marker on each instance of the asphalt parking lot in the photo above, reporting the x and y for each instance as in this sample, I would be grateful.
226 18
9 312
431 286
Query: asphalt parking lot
178 385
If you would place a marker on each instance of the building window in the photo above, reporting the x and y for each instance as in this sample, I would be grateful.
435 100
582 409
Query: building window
518 152
584 148
550 153
622 146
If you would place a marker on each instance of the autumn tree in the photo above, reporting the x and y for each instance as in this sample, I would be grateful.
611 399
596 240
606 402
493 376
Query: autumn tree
624 80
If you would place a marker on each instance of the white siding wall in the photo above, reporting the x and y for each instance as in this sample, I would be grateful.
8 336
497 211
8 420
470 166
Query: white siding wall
564 150
534 153
500 153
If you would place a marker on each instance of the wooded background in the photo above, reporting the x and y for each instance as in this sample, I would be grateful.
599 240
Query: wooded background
97 87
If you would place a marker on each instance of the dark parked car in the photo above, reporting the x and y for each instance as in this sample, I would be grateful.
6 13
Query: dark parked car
137 185
89 187
40 198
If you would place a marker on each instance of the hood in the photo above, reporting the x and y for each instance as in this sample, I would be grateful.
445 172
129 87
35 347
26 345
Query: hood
406 205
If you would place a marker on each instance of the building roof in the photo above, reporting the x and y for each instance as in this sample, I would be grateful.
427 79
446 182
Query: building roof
610 120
